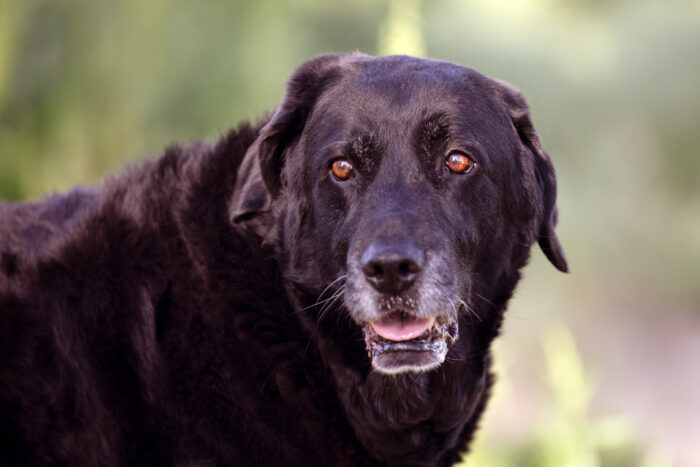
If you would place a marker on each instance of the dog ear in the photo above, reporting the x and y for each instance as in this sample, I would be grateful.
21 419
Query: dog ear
519 113
286 125
250 197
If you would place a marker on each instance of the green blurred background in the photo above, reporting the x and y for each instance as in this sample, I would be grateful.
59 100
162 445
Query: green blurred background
597 368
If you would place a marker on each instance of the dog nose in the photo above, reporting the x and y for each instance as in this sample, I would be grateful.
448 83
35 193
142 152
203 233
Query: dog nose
391 265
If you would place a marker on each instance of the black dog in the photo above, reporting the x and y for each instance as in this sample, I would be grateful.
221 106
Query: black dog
320 290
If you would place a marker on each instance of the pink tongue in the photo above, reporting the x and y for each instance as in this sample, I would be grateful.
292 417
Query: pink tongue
397 329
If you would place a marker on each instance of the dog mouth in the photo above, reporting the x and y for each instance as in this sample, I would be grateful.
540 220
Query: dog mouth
402 342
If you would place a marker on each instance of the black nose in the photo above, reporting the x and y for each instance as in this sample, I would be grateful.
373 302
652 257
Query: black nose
391 265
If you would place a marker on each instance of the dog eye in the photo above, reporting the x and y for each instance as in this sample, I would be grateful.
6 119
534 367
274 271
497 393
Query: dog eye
459 163
342 169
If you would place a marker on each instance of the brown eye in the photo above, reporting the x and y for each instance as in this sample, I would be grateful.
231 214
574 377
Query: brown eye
459 163
342 169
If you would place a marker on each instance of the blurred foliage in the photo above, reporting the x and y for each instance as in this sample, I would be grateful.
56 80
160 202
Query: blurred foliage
86 86
398 33
566 435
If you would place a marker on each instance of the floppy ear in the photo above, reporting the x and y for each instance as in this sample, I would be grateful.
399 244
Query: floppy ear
303 90
520 115
250 197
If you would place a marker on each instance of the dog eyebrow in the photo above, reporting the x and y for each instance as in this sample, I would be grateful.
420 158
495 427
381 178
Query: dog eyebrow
431 131
362 143
435 125
366 149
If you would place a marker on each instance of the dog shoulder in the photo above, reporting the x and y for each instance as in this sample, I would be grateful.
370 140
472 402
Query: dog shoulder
82 281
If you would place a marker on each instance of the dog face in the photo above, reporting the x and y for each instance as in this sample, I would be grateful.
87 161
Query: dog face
409 189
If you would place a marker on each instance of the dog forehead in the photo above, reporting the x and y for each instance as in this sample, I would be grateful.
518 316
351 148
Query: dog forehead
400 74
396 90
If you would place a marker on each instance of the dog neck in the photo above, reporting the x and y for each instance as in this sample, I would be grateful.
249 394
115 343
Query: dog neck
412 416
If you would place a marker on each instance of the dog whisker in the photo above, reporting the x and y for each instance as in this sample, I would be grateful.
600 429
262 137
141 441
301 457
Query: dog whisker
319 301
328 287
469 309
324 310
481 297
453 305
330 304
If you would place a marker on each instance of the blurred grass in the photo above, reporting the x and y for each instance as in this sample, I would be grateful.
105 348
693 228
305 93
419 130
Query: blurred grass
566 435
86 86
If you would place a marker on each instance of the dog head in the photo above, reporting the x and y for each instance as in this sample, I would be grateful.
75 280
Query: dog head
404 193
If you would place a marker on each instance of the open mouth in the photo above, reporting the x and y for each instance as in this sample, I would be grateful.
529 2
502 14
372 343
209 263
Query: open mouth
403 342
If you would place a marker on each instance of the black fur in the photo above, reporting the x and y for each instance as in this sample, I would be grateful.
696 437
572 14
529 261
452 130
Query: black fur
170 317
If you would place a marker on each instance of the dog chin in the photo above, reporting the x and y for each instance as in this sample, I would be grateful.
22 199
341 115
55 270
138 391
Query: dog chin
394 353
